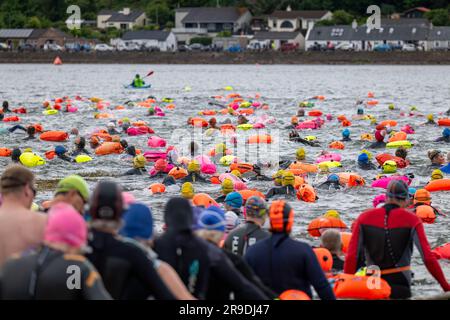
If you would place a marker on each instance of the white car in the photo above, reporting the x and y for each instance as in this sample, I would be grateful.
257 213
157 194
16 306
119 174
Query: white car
52 47
103 47
3 46
409 47
344 46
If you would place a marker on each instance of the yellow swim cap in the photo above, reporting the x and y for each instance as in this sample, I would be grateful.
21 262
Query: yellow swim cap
323 167
126 119
139 161
391 106
221 148
413 108
193 166
300 154
27 150
278 177
430 117
437 174
227 186
389 166
187 190
236 173
369 154
332 214
310 138
288 179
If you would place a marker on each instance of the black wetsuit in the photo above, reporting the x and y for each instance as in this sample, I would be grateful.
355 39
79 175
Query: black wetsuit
377 145
135 171
243 237
327 185
221 199
288 191
65 158
367 165
304 141
193 177
53 270
443 139
29 138
128 273
338 264
346 139
219 290
79 151
113 131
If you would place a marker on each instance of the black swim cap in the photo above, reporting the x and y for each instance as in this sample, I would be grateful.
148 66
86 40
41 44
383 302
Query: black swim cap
397 189
106 201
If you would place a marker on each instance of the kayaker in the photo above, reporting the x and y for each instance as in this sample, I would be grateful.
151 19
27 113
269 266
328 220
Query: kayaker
138 82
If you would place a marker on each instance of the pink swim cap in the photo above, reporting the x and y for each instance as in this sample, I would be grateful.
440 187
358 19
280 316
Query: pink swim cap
381 198
329 117
65 225
128 198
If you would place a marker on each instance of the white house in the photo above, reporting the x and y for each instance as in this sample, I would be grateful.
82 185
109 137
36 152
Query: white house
269 39
124 20
164 40
289 20
439 38
209 21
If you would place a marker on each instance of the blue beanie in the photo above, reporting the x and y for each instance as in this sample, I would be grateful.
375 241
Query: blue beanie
346 133
446 132
363 157
234 200
211 220
138 222
60 150
333 177
217 209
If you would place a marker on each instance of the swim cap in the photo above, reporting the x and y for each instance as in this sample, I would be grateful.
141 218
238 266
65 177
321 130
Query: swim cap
187 190
332 214
234 200
323 167
401 153
446 132
391 106
430 117
236 173
107 201
232 221
65 225
422 196
73 182
300 154
397 189
220 149
281 217
360 111
437 174
288 179
333 178
294 120
169 181
389 166
138 221
433 154
256 207
379 136
111 125
126 120
211 220
139 161
346 133
278 177
160 165
227 186
60 150
363 157
193 166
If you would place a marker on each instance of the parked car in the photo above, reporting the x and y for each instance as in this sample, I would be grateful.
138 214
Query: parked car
103 47
196 47
52 47
254 46
316 47
344 46
26 47
286 47
409 47
382 48
235 48
73 47
183 48
133 47
152 48
3 46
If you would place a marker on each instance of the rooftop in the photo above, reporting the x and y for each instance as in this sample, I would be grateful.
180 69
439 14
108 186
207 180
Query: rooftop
213 15
302 14
268 35
120 17
15 33
146 35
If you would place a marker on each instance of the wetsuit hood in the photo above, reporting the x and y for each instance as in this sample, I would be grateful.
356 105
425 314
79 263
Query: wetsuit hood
178 215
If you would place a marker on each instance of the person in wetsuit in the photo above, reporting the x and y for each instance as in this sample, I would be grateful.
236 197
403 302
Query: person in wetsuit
364 163
283 263
346 135
384 237
295 137
61 153
240 239
127 271
332 182
80 147
31 131
45 275
331 240
138 166
379 136
211 227
137 82
193 173
445 136
437 158
287 187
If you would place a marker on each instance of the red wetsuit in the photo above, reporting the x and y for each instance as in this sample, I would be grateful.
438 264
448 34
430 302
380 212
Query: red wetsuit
384 237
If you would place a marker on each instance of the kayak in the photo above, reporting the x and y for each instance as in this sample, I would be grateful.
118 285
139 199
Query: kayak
148 86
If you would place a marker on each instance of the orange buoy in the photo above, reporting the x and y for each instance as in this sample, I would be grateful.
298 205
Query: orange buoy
349 286
345 240
57 61
241 167
294 295
260 138
386 123
307 167
54 136
178 173
426 214
370 95
317 224
247 193
372 102
325 258
315 113
444 122
204 200
438 185
5 152
443 252
383 157
109 148
337 145
157 188
306 193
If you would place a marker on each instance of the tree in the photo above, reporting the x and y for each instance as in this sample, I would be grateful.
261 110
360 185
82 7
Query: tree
341 17
439 17
33 23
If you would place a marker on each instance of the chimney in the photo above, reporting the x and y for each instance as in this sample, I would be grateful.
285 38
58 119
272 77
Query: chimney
126 11
288 8
354 24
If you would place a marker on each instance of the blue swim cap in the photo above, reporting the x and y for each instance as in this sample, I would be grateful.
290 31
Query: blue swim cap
363 157
333 178
234 199
59 150
412 191
211 220
360 111
446 132
138 222
217 209
346 132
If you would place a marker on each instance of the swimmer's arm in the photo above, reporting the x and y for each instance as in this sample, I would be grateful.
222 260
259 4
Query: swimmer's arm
173 282
433 266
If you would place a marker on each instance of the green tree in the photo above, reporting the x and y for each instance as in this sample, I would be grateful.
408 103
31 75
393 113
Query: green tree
342 17
439 17
33 23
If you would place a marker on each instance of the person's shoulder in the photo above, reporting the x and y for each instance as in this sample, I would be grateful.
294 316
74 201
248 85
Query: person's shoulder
369 213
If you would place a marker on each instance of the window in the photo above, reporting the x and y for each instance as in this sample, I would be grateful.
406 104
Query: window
414 30
286 25
227 26
337 32
123 26
212 27
391 30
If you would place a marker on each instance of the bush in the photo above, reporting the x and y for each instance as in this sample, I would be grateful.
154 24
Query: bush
206 41
224 34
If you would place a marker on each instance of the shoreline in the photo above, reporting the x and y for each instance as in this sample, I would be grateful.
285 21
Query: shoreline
265 58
